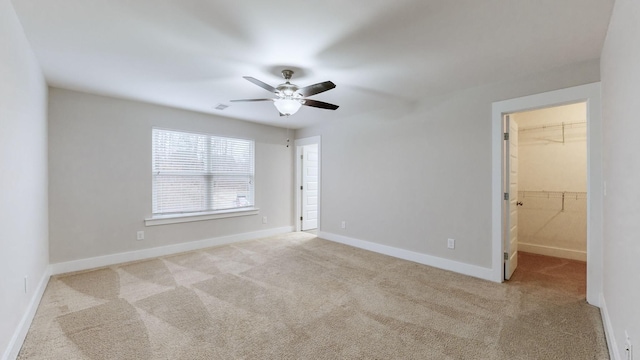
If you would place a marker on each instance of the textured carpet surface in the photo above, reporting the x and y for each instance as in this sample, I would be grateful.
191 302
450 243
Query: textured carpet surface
299 297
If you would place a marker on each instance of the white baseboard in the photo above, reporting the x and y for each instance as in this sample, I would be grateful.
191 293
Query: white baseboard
441 263
107 260
553 251
608 331
15 344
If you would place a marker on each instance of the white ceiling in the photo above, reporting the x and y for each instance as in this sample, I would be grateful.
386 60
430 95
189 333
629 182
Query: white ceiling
192 54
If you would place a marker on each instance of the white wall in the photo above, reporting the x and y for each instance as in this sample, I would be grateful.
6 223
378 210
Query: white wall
553 159
621 106
100 175
411 178
23 178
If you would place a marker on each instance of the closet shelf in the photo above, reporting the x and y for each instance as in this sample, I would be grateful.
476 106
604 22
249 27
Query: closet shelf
554 126
551 132
564 195
552 194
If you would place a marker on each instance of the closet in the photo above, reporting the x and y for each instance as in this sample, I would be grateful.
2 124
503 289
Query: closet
552 181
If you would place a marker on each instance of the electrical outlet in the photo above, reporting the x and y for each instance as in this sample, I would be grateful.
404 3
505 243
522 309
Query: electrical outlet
344 224
264 219
140 235
451 243
628 347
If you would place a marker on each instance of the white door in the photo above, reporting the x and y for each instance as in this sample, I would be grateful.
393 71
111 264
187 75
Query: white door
310 187
511 211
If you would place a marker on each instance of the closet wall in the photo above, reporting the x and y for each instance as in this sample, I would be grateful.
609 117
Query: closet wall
552 181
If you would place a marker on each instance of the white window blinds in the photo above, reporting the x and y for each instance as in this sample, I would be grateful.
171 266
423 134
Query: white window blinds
198 172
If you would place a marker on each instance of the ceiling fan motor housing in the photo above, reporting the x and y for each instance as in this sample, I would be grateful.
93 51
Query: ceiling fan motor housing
289 91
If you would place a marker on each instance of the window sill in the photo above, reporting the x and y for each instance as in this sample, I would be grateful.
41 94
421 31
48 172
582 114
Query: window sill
201 216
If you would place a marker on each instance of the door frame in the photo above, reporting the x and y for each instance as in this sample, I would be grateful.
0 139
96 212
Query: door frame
590 94
299 144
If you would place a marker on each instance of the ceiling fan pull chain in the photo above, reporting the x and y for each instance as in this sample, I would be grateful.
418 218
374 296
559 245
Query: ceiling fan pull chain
287 137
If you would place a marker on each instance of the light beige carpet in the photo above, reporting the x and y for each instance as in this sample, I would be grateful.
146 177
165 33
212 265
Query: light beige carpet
298 297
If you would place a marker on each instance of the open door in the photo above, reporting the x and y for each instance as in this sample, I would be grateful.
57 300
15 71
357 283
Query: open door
511 198
309 187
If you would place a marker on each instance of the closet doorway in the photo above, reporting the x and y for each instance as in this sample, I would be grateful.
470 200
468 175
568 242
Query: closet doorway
589 93
551 197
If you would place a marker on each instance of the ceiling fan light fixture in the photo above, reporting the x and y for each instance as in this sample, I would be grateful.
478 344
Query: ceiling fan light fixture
287 106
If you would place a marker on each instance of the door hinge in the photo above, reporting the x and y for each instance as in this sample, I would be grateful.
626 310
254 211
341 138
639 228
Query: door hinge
506 196
300 218
300 187
301 157
506 256
506 136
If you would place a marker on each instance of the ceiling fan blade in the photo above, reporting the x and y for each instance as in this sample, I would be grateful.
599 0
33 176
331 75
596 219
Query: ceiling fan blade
246 100
316 88
319 104
261 84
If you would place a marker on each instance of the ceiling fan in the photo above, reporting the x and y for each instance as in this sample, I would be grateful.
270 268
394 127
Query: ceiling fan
290 97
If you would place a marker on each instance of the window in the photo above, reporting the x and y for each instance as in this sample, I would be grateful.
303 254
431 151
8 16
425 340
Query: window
195 173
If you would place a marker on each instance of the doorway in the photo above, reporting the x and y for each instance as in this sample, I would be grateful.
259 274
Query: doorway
590 95
308 184
547 177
